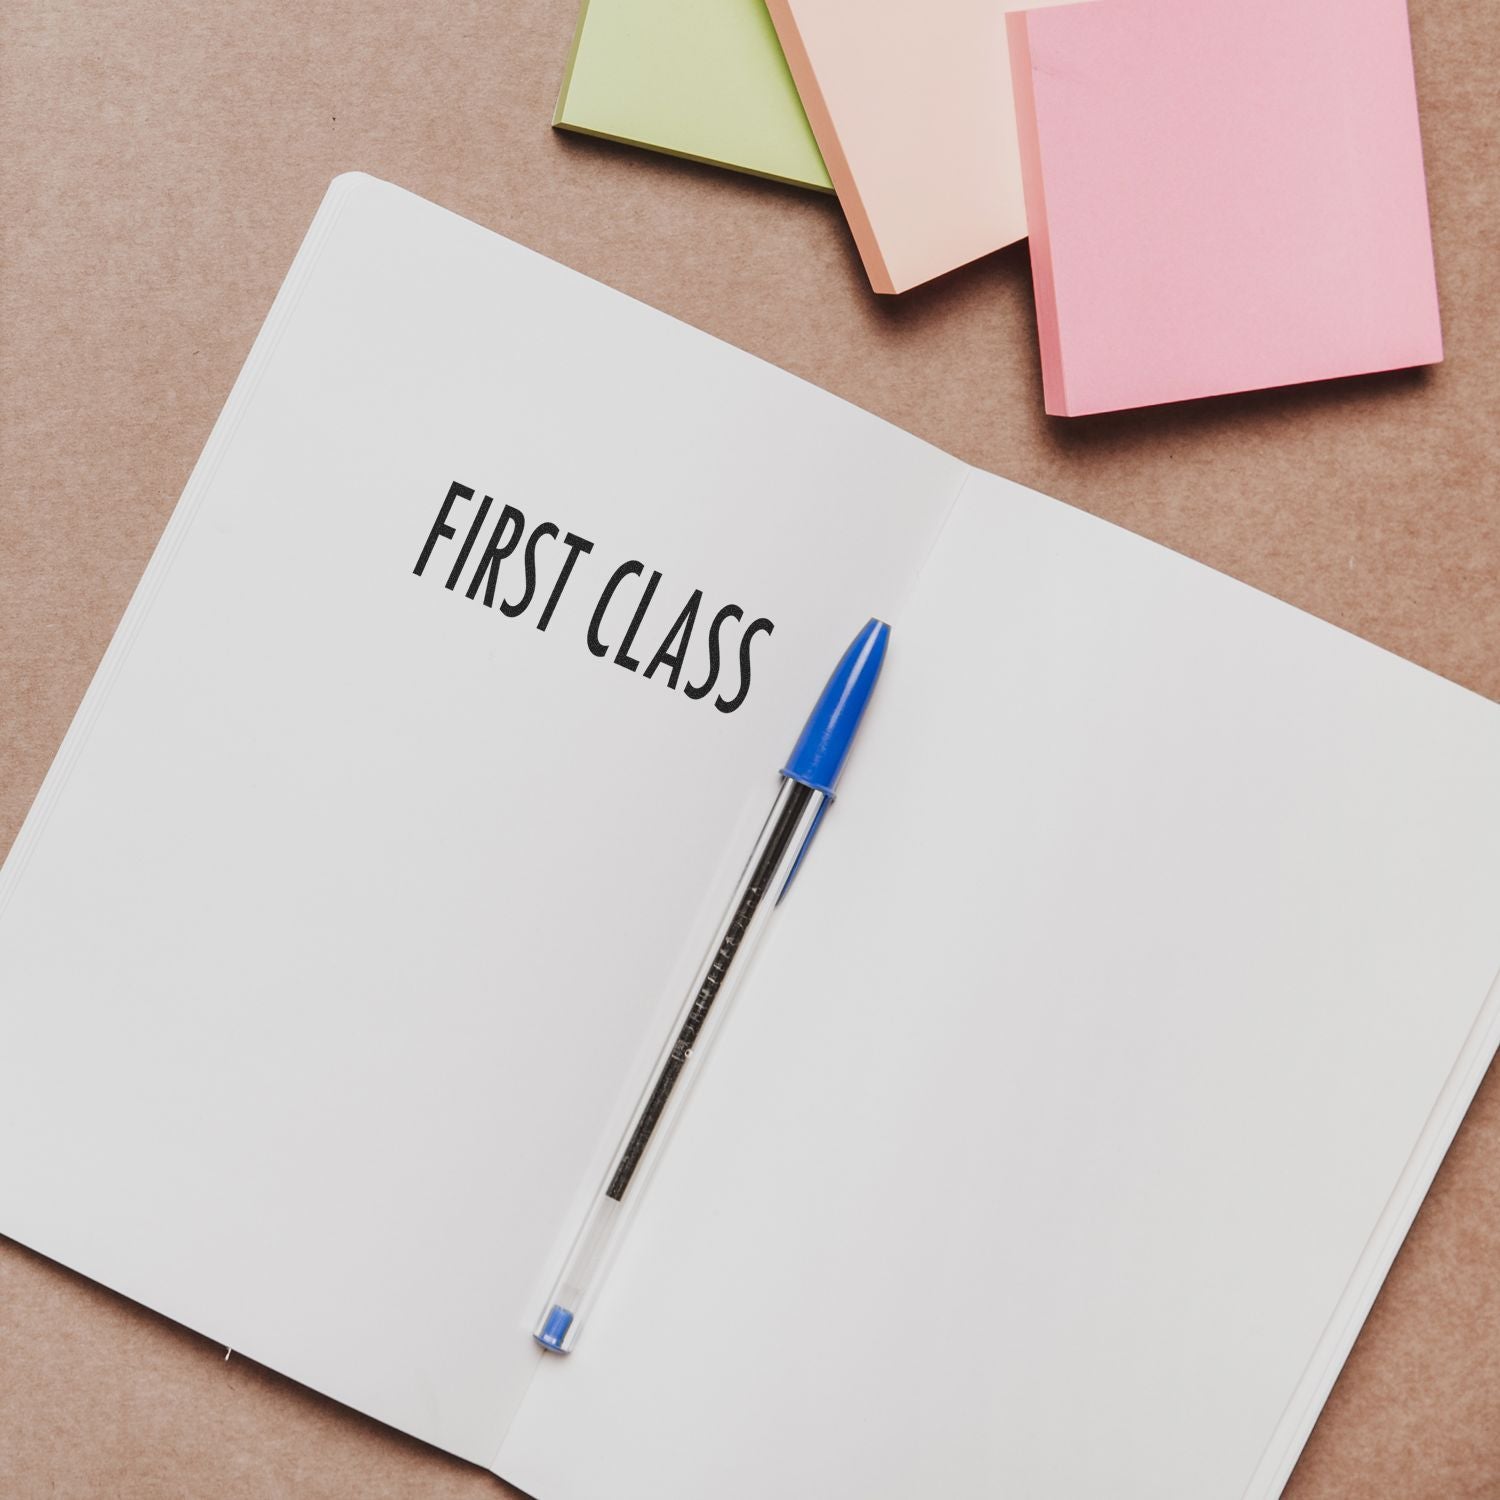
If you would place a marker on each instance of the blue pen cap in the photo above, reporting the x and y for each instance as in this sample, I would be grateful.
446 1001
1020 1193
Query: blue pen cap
820 752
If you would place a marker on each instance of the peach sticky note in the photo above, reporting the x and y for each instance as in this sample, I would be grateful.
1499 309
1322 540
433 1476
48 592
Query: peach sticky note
1221 196
911 107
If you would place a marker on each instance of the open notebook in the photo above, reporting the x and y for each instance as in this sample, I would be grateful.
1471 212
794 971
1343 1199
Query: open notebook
1077 1101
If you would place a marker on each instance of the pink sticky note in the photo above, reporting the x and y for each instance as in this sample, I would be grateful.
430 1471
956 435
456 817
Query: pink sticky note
1221 196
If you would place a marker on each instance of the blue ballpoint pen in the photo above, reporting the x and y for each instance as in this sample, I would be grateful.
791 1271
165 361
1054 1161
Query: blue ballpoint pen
807 784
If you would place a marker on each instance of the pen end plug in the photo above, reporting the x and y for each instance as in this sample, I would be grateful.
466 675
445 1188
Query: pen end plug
553 1334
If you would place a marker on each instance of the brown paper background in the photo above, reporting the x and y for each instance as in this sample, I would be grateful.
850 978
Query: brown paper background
159 161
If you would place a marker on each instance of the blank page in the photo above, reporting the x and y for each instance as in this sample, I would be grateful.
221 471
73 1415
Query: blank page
328 948
1076 1105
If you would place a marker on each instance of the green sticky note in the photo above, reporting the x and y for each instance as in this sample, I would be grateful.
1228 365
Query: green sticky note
703 79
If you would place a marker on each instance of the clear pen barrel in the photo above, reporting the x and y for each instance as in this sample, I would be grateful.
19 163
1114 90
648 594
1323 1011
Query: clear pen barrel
765 876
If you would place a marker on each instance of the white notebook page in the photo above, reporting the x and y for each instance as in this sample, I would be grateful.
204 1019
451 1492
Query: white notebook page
1134 967
352 909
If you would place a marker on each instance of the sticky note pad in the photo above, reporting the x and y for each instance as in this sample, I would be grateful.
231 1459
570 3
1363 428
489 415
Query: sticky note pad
912 108
1221 196
698 78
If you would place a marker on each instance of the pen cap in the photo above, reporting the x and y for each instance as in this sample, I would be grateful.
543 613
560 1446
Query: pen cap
820 752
